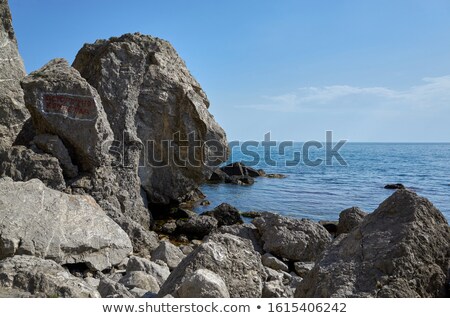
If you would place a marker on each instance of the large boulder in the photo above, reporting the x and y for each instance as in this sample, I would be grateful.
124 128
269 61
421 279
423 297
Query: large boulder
158 271
203 284
400 250
196 226
41 278
154 105
294 239
228 256
50 224
71 124
13 113
168 253
62 103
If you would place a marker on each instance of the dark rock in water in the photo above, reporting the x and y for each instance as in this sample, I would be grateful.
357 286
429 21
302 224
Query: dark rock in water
330 226
400 250
196 227
296 240
23 164
13 113
275 176
42 278
150 98
251 214
240 180
232 258
205 203
349 219
395 186
218 176
239 169
225 214
261 172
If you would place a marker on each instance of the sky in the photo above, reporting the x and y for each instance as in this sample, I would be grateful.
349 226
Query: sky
370 71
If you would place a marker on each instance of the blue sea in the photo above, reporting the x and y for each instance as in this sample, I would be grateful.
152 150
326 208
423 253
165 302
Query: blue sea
321 192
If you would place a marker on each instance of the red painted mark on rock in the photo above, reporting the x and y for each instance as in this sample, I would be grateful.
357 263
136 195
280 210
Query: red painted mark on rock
71 106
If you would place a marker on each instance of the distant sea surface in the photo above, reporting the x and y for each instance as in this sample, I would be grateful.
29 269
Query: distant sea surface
322 192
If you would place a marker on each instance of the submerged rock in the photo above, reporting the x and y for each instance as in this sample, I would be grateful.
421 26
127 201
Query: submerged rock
400 250
394 186
50 224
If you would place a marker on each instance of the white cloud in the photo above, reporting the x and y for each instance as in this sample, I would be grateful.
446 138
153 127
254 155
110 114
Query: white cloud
433 93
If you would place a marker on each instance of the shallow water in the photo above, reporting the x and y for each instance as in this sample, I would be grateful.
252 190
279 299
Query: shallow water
321 192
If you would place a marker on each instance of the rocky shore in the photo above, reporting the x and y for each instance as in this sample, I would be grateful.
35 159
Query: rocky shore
98 177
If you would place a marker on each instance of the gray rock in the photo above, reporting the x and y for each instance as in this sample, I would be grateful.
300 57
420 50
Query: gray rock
50 224
52 145
13 113
150 97
203 284
140 280
349 219
42 278
276 289
197 226
158 271
168 253
225 214
109 288
62 103
230 257
297 240
93 282
245 231
23 164
138 292
303 268
271 261
186 249
400 250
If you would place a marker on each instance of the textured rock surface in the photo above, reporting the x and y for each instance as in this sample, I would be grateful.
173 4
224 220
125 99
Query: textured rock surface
140 280
303 268
349 219
69 229
23 164
62 103
150 97
297 240
231 258
225 214
52 145
400 250
158 271
245 231
271 261
203 284
13 113
168 253
42 278
109 288
276 289
196 226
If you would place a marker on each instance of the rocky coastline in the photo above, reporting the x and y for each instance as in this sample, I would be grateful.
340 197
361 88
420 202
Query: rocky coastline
98 179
